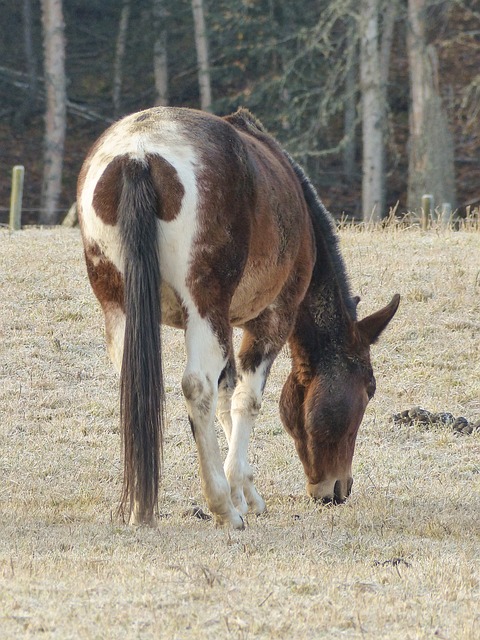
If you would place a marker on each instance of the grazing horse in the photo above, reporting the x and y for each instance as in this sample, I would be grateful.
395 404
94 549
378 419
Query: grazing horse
205 223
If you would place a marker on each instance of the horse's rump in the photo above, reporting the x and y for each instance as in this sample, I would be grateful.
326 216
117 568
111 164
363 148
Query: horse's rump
224 187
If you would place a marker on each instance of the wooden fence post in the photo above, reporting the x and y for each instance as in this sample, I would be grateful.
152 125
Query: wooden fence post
16 198
427 210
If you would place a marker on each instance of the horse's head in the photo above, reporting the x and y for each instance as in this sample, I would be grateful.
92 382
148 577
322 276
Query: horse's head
322 408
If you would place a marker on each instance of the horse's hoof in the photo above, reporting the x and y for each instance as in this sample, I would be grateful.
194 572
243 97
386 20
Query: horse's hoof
234 520
239 502
239 523
142 521
257 505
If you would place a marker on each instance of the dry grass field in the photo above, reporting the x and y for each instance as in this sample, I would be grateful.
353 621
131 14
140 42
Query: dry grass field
399 560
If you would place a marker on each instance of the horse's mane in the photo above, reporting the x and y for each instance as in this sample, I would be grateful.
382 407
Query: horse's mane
244 120
326 238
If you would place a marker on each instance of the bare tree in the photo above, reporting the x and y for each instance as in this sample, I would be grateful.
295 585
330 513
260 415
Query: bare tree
377 22
373 182
119 58
55 115
160 57
431 163
390 12
28 104
201 44
350 112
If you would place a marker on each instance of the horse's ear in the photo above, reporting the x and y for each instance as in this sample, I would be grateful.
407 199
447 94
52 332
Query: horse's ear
372 326
356 300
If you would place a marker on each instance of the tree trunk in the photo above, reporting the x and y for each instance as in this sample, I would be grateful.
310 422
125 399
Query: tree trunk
431 164
28 105
201 44
388 24
373 182
350 118
55 116
119 58
160 60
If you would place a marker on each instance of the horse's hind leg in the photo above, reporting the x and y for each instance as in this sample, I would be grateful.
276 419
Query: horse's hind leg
115 334
107 284
205 363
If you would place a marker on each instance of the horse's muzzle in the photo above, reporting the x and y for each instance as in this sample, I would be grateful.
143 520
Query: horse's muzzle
331 491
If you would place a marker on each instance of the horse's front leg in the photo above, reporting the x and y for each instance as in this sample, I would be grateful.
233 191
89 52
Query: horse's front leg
205 362
245 404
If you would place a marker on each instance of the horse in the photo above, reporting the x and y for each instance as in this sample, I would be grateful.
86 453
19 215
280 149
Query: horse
206 223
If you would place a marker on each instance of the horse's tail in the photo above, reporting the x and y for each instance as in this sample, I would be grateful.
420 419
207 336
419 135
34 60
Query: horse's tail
141 380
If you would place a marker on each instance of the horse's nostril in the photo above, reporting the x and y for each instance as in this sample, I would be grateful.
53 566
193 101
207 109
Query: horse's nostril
339 495
349 486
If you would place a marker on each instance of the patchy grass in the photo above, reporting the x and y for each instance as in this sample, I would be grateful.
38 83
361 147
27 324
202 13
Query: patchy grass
398 560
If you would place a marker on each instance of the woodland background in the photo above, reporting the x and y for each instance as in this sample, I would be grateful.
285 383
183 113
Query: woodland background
338 82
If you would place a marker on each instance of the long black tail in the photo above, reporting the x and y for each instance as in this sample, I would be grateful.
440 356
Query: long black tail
141 380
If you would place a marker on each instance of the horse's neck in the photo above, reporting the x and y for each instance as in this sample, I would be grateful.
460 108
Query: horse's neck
321 327
325 316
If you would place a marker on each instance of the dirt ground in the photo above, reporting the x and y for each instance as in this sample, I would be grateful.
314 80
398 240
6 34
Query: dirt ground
399 560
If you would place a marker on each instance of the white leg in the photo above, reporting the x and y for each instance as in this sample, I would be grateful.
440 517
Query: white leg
245 405
115 333
205 362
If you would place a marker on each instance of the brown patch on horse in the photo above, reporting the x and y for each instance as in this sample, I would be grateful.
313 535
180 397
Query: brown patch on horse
108 191
170 190
85 169
105 279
